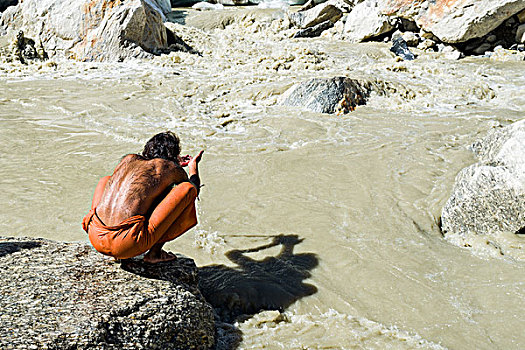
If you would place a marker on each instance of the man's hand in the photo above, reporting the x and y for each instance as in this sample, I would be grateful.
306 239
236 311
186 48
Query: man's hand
193 163
185 160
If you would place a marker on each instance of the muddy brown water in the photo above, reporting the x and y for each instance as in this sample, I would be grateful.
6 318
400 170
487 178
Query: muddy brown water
332 219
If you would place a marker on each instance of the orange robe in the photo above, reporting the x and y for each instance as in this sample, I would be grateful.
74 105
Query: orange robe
173 216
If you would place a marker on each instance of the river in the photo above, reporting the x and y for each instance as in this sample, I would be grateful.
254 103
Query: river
340 211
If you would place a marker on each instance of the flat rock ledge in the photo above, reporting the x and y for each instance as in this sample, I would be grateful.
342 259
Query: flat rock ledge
58 295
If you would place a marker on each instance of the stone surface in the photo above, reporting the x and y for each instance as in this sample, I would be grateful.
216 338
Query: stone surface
455 21
520 34
314 31
91 30
366 21
59 295
314 16
400 48
6 3
488 198
334 95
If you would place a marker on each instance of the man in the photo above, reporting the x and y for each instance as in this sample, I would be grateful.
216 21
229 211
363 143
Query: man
148 201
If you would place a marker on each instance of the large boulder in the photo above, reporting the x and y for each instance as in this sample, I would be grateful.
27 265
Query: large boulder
314 16
366 21
68 296
455 21
90 30
487 205
332 95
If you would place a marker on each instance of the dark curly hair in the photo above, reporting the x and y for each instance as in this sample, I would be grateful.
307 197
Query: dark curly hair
164 145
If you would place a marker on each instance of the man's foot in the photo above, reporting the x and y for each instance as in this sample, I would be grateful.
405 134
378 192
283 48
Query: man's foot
154 257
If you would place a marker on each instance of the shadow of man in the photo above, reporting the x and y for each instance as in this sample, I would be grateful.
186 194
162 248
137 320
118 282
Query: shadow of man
273 283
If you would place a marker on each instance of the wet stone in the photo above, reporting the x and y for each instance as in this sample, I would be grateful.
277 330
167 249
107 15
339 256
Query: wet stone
400 48
334 95
314 31
58 295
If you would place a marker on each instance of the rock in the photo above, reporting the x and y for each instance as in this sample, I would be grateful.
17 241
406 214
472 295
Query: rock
450 52
342 5
6 3
366 21
334 95
231 2
488 198
521 16
400 48
314 31
482 49
24 49
310 4
98 30
412 39
427 44
492 38
502 55
319 14
59 295
520 34
455 21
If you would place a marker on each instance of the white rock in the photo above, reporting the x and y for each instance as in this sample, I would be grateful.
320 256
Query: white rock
455 21
426 44
412 39
318 14
366 21
90 29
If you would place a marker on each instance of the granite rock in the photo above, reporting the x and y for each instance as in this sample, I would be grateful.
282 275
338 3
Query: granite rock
98 30
366 21
488 198
59 295
316 15
455 21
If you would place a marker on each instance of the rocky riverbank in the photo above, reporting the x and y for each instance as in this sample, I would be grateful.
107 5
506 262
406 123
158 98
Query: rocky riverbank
107 30
58 295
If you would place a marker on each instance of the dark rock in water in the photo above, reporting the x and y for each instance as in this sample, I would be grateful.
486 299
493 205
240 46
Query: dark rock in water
335 95
488 198
24 49
314 31
6 3
59 295
400 48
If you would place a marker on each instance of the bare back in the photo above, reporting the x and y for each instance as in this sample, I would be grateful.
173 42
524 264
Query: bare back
135 186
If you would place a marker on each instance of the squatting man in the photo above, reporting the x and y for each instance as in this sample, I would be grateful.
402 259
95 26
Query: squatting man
148 201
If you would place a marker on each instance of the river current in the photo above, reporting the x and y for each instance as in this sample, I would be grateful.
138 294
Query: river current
332 219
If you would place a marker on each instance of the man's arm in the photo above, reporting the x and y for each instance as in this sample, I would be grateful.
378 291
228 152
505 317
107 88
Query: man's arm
193 167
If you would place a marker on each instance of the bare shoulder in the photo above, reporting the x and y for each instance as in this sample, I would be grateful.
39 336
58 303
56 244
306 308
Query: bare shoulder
169 170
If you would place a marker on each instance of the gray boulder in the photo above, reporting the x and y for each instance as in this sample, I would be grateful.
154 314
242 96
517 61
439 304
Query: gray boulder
334 95
487 205
314 16
91 30
59 295
455 21
366 21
